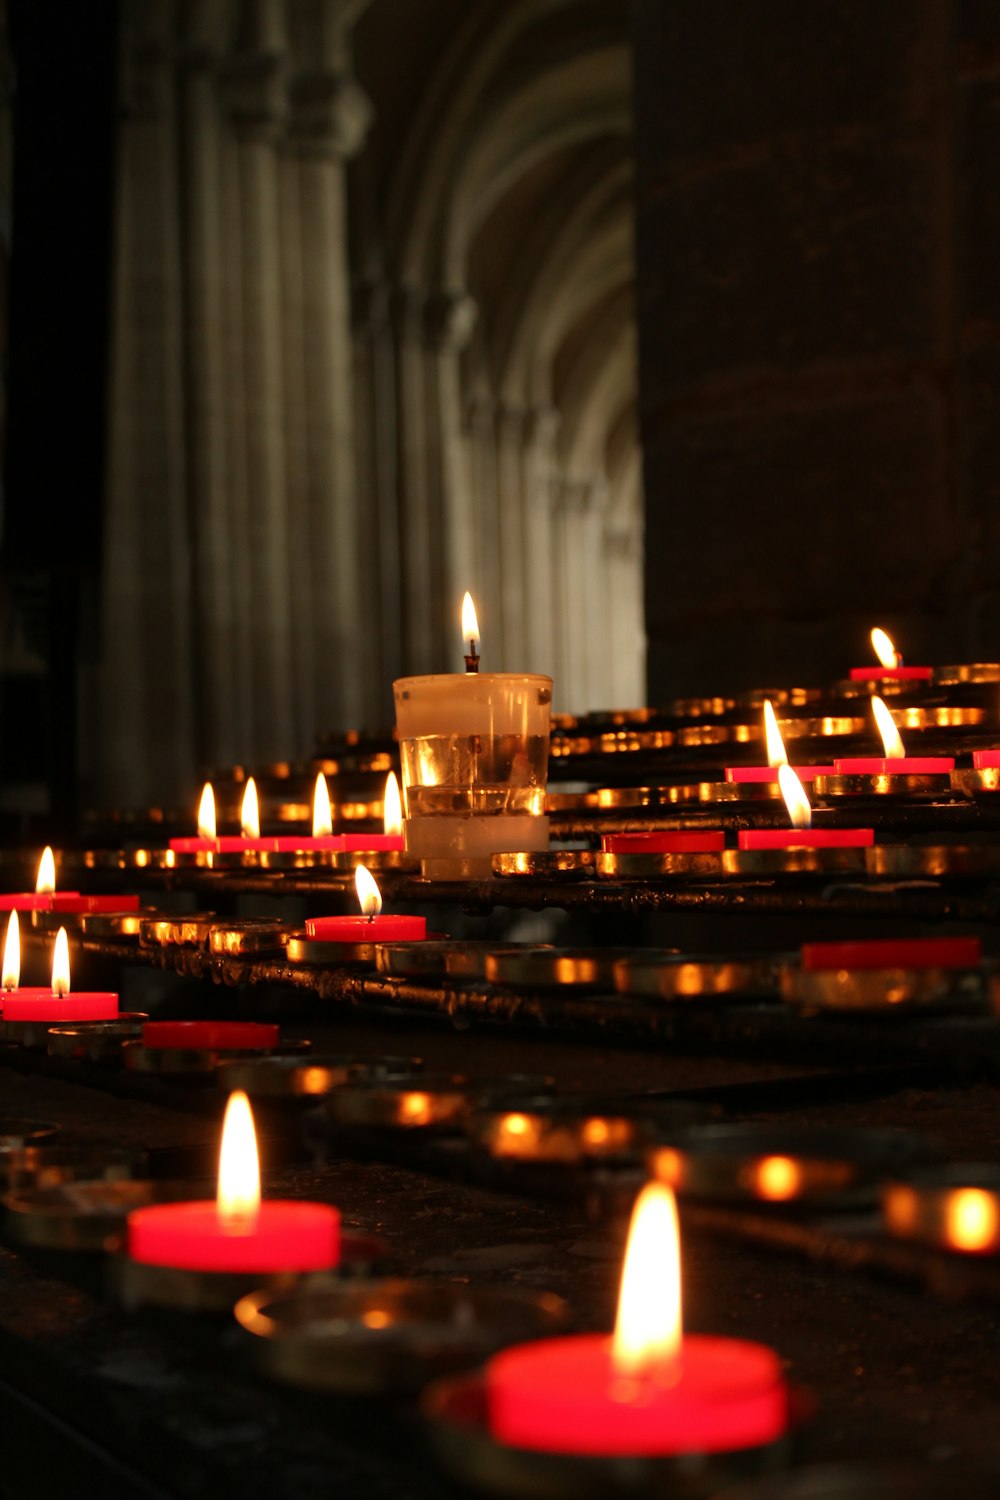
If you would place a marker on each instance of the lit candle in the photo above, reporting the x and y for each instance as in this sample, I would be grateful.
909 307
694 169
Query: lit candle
391 838
895 761
57 1003
11 975
208 841
236 1232
647 1390
890 668
474 751
371 926
45 897
801 835
776 756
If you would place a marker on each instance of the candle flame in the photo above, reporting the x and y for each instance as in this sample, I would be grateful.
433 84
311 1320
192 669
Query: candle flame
46 880
60 964
894 749
884 649
794 793
392 807
369 895
648 1328
206 812
470 624
238 1196
250 811
776 755
972 1219
322 812
12 954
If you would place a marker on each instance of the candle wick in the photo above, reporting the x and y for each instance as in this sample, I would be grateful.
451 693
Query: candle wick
472 659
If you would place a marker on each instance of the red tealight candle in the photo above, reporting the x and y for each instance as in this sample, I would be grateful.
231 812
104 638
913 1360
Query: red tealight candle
57 1003
894 953
237 1232
40 899
895 761
236 1036
776 757
800 835
207 841
11 975
647 1390
391 839
709 842
985 760
890 668
805 838
371 927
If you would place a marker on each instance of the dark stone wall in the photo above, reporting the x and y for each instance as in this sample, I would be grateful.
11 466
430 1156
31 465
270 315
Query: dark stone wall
818 256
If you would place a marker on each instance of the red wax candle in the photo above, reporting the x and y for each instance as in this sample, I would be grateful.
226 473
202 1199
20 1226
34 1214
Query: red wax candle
566 1396
751 774
226 843
907 765
894 953
67 901
281 1235
236 1232
308 843
805 838
891 674
709 842
984 760
45 1005
32 900
361 929
242 1036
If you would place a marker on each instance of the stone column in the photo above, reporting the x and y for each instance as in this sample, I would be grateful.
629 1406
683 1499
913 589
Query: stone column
485 507
146 711
376 460
542 618
626 635
511 425
205 261
256 99
329 121
419 508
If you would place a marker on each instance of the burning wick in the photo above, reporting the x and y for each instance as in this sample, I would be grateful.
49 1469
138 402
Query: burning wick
884 649
369 895
470 633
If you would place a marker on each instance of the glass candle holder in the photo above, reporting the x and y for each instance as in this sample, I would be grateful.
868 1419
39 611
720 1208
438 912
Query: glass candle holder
474 752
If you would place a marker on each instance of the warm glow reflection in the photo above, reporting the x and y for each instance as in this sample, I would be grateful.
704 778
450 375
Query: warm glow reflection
12 954
470 624
238 1197
60 964
887 729
648 1326
46 880
250 811
884 649
322 813
369 895
392 808
799 809
415 1109
206 813
778 1178
775 744
972 1219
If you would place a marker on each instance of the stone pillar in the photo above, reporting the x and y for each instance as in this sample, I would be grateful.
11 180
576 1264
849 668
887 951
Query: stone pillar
256 99
796 285
485 506
449 320
510 431
205 267
330 118
542 620
626 635
146 710
376 460
421 575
